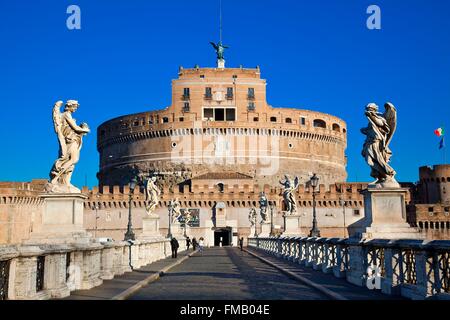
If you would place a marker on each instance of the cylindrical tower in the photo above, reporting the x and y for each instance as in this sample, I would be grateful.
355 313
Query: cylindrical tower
434 184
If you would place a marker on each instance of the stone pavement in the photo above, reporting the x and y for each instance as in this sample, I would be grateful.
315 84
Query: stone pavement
116 288
327 281
226 274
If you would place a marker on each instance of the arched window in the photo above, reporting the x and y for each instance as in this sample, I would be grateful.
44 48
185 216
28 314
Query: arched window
288 120
318 123
336 127
165 119
221 187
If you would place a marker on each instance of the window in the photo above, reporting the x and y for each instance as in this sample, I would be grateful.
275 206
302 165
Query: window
229 93
234 76
181 119
288 120
303 121
230 114
221 187
186 93
208 93
136 123
336 127
219 114
202 76
273 119
251 93
255 119
318 123
186 107
356 212
251 106
208 113
165 119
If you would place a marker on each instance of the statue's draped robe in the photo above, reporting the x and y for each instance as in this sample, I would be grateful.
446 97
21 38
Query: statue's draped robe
375 151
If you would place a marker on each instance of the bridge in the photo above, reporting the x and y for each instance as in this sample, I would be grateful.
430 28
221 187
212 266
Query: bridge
293 268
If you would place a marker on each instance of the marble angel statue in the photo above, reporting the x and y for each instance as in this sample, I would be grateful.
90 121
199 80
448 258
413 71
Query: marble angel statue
252 216
175 210
289 187
70 138
263 206
152 193
376 149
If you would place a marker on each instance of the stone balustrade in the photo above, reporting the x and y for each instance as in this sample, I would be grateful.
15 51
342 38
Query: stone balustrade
32 272
413 269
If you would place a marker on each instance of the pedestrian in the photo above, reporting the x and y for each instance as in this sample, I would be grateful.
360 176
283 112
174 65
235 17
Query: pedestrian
201 243
194 243
188 243
174 246
241 243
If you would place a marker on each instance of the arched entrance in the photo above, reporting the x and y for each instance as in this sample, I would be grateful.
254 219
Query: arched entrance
222 235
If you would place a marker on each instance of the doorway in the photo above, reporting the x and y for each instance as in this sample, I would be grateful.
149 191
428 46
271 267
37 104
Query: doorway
222 235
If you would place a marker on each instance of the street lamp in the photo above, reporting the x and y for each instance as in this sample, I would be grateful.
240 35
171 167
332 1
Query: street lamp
342 203
169 233
256 215
315 232
129 235
271 219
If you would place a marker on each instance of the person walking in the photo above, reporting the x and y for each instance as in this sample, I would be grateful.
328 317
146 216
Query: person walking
241 243
188 243
194 243
201 243
174 246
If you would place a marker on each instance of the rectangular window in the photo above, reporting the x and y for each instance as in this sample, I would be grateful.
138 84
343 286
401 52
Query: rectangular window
186 107
208 93
251 106
208 113
230 114
302 121
229 93
186 93
219 114
251 93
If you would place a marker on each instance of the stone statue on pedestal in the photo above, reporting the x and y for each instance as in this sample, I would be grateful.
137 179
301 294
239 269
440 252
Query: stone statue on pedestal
263 206
70 137
252 216
152 193
290 186
376 150
175 211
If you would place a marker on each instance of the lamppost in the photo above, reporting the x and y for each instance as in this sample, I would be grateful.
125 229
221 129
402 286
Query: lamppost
315 232
342 203
169 233
256 234
96 207
271 219
129 235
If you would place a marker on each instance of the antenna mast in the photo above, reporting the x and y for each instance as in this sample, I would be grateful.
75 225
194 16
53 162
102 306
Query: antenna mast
220 19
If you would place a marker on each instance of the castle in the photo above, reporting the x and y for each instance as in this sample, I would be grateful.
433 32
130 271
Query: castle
215 149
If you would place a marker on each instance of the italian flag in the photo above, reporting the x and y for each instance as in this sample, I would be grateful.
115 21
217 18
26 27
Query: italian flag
439 132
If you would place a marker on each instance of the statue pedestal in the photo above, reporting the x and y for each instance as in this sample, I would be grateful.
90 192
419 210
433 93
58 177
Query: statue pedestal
291 225
385 215
252 232
150 228
176 230
265 230
220 63
62 220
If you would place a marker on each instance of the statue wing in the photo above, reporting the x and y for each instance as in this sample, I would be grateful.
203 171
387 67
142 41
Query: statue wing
214 45
390 115
296 182
57 123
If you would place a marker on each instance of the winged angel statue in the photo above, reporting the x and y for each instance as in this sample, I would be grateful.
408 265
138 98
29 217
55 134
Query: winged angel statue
376 150
70 137
289 186
152 193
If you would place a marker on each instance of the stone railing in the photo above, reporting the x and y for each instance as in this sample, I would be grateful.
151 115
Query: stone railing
414 269
53 271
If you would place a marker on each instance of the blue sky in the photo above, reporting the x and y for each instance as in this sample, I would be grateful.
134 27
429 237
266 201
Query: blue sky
314 54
